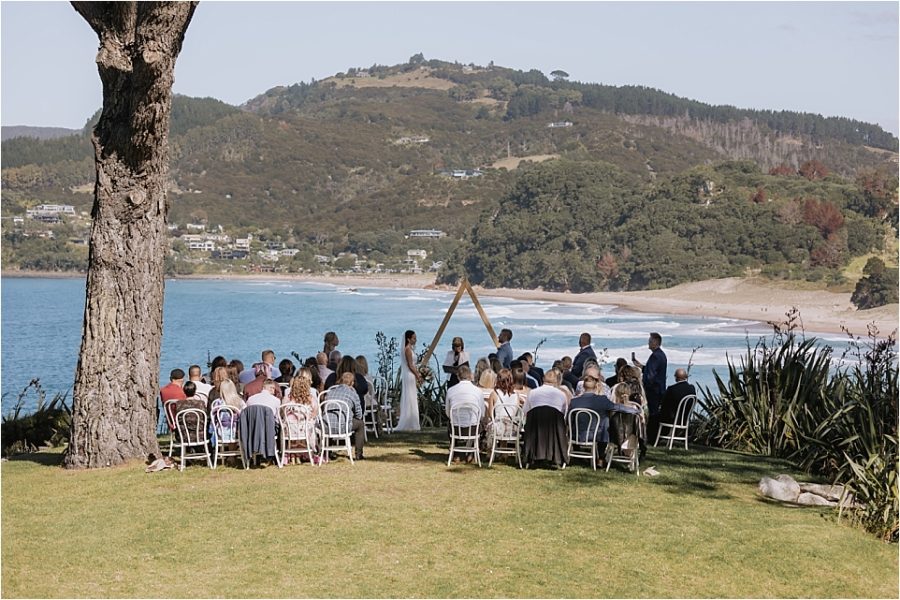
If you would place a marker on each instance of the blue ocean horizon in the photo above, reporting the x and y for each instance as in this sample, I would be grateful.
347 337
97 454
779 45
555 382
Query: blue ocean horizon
202 318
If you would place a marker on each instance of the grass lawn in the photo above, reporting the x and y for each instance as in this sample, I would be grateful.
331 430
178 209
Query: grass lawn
402 524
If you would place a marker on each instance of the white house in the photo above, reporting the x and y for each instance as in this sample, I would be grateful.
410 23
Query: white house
416 254
426 233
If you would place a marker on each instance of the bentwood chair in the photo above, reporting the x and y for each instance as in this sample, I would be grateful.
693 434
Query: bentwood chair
191 426
465 427
681 424
506 431
297 426
336 416
225 429
583 427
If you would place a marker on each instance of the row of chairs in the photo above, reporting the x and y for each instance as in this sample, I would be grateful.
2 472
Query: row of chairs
508 423
332 431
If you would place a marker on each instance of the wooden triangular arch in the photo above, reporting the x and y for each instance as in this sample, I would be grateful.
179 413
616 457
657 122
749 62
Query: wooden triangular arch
464 286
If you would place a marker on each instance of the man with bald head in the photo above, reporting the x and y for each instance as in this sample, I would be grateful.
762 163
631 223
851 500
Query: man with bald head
674 394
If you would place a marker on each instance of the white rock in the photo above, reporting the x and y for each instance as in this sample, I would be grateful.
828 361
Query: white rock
810 499
782 488
829 492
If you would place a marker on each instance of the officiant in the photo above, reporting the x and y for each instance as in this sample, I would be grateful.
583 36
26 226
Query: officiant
456 358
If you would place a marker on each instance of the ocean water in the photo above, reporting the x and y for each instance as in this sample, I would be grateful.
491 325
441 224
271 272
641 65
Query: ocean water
42 318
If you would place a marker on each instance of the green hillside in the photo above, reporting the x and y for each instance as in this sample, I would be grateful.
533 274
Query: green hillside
353 162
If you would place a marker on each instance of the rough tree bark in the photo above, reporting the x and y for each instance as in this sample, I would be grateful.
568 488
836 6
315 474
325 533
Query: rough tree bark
117 378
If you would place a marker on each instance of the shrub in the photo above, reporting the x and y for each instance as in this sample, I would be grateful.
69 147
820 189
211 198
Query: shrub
48 425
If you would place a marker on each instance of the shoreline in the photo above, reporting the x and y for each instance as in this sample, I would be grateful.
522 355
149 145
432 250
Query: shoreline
735 298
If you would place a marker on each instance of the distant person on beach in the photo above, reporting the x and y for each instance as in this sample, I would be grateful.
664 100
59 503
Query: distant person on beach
456 357
654 380
675 393
330 343
504 350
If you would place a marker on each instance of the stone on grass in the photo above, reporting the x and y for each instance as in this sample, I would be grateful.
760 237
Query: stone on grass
810 499
829 492
783 488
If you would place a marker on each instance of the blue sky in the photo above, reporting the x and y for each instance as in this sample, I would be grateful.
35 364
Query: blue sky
831 58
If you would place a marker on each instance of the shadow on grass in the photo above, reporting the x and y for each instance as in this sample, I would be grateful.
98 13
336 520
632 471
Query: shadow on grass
46 459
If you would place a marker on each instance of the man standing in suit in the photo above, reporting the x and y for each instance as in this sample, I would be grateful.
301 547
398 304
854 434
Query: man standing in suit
504 350
654 380
674 394
585 352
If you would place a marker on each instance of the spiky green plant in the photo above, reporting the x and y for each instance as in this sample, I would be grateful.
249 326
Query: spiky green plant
49 424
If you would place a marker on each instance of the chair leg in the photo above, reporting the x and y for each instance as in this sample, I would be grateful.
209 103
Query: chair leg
452 445
672 437
658 433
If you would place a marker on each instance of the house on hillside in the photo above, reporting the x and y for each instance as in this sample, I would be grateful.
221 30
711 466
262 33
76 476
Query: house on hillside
50 213
426 233
559 124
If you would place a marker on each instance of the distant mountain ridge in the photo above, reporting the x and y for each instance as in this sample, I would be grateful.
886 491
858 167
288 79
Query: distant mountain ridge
353 162
40 133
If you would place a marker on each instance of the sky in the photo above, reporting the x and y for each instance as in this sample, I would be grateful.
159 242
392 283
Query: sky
830 58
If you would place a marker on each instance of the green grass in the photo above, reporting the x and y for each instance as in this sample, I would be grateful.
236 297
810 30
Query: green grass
401 524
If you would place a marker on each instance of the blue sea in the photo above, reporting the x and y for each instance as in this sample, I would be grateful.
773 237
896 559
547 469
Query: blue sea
42 319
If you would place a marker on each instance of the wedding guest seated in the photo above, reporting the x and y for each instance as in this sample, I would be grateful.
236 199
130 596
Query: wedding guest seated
613 379
519 386
465 393
286 373
322 364
503 395
362 369
545 427
629 393
334 357
266 397
302 393
517 364
602 388
675 393
256 385
531 370
191 400
481 366
348 365
194 375
228 394
172 391
486 383
494 362
218 376
217 362
346 392
593 399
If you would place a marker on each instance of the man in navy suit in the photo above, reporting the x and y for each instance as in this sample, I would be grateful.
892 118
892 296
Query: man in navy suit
654 380
585 352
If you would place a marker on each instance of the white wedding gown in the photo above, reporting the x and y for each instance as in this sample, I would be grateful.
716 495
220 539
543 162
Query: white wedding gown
409 399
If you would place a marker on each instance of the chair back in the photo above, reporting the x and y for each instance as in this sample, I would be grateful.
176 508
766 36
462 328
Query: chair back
295 421
191 425
463 416
169 411
336 417
225 423
583 425
685 409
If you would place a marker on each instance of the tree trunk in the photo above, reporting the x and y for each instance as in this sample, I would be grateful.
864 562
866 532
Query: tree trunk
117 378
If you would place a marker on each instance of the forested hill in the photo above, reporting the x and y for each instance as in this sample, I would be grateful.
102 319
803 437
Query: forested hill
353 162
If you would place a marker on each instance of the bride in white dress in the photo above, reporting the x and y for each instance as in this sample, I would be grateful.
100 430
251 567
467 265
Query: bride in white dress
409 379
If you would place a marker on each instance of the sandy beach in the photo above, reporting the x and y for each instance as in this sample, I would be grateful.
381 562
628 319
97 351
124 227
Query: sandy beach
753 300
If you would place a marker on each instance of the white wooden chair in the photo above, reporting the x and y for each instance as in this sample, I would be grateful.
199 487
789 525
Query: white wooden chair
335 419
506 431
628 453
465 427
296 426
583 427
170 423
191 426
681 424
385 406
225 426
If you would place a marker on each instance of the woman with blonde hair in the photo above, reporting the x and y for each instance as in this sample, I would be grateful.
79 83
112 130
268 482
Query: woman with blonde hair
481 366
301 418
486 383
